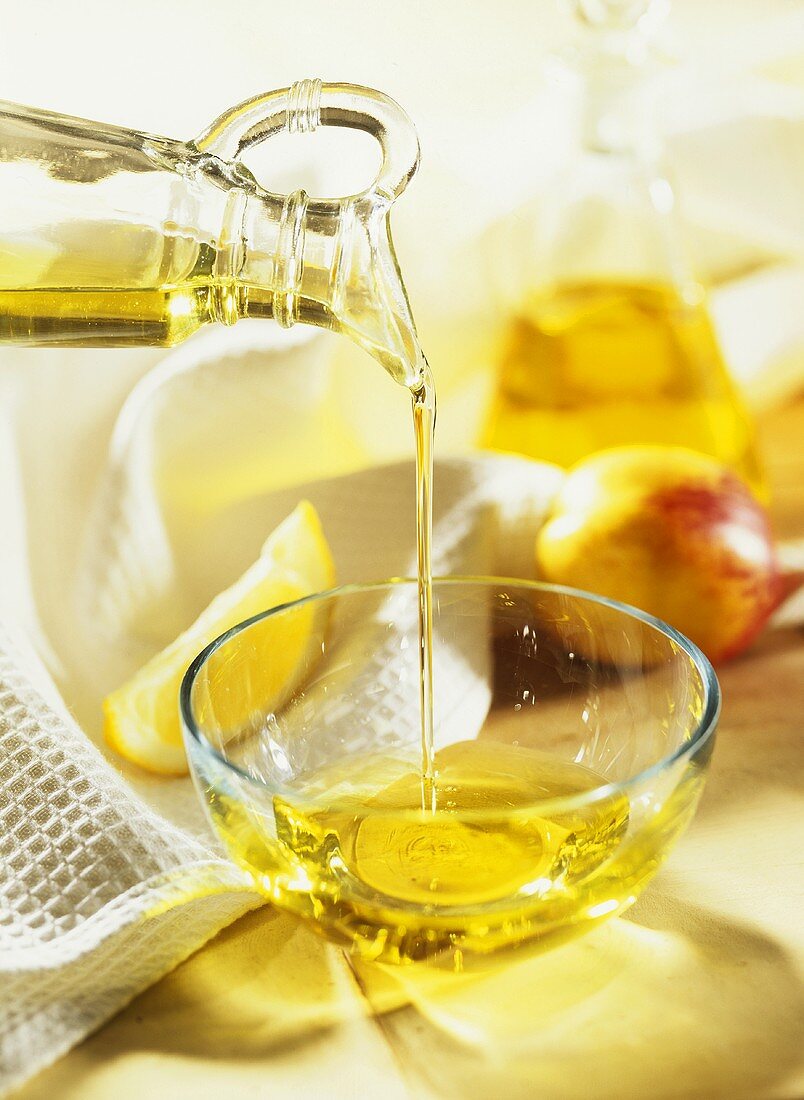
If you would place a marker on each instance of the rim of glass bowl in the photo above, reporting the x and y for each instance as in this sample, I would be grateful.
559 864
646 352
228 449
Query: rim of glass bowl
688 748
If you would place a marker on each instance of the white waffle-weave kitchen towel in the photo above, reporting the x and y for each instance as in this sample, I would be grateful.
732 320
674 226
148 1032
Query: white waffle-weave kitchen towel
108 880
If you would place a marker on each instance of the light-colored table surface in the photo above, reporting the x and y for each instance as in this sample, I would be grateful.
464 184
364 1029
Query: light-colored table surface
695 993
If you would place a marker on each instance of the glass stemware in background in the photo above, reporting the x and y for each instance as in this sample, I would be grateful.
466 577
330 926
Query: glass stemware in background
610 342
572 736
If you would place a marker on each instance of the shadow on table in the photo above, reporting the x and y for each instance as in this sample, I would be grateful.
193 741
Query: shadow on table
638 1008
266 985
758 744
672 1003
266 1008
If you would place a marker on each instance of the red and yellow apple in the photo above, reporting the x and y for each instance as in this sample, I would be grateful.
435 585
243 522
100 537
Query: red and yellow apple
672 532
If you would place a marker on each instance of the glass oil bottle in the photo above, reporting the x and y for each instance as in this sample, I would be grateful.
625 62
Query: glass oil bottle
610 341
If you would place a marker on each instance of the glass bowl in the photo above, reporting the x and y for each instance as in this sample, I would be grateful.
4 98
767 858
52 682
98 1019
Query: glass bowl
572 735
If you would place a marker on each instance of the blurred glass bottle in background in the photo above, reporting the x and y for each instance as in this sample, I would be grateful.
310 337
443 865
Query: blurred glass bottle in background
611 342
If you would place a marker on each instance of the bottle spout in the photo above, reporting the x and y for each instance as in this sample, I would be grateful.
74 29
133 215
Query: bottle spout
369 300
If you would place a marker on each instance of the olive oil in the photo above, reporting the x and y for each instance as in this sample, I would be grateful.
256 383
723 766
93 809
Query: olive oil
587 366
130 313
424 408
105 317
152 290
356 853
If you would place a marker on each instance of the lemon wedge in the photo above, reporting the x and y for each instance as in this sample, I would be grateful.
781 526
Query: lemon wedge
141 718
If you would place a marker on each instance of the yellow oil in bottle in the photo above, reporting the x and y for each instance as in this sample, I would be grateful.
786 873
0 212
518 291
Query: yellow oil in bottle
135 309
157 290
593 365
101 317
151 291
357 855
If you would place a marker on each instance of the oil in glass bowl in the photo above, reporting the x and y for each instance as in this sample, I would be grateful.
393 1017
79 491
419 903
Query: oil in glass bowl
571 735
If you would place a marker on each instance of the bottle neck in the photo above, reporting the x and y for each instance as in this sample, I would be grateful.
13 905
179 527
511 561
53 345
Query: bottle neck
612 212
617 101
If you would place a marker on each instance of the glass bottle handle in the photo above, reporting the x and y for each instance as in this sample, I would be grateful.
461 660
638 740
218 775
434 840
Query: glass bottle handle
308 104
